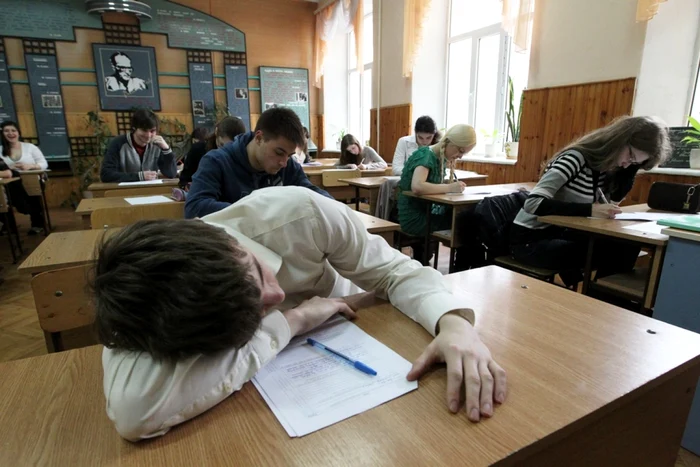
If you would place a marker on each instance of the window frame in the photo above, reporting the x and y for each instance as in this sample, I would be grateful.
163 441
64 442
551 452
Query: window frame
349 38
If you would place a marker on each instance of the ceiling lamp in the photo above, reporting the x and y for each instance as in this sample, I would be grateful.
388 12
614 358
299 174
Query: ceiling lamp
139 9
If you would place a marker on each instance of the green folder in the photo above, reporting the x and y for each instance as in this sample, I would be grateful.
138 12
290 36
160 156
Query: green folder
691 222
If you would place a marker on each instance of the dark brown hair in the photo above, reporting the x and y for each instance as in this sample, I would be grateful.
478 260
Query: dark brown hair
281 122
346 157
174 289
6 150
228 126
144 119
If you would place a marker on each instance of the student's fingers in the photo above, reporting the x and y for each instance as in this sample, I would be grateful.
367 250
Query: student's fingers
422 363
500 381
345 310
486 396
472 386
455 378
360 300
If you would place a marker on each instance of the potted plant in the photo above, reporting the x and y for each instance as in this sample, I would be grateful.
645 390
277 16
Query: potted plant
513 122
693 137
175 134
341 134
86 165
490 142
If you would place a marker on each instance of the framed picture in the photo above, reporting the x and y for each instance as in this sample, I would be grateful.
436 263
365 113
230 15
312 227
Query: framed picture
127 76
198 109
51 101
241 93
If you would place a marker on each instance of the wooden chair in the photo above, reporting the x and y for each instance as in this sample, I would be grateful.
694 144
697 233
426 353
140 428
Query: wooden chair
119 217
145 191
35 185
511 263
331 177
63 304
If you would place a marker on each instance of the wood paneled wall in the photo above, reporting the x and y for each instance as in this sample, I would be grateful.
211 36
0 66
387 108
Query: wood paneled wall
394 122
553 117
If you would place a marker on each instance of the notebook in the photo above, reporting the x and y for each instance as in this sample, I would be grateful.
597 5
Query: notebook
690 222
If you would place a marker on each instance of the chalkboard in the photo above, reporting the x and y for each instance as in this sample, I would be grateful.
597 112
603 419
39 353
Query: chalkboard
47 103
7 103
285 87
45 19
202 92
680 157
237 96
191 29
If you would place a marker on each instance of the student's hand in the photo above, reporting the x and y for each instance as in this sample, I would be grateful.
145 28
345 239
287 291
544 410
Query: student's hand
352 166
456 187
469 365
160 142
362 167
23 166
314 312
605 211
150 175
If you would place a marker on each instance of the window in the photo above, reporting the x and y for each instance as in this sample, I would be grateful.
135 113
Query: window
695 104
479 62
360 85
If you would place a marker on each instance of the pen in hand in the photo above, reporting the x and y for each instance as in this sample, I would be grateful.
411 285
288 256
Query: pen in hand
359 365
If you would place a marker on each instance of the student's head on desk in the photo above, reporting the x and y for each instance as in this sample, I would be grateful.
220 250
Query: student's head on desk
278 134
177 288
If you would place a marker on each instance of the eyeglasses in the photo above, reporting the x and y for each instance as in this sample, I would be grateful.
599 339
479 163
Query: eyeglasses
124 68
632 158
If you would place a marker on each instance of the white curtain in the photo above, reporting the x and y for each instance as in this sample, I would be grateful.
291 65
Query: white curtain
517 22
333 19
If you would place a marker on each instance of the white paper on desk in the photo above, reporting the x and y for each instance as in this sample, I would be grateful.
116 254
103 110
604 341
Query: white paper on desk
156 199
484 190
645 216
646 227
308 388
145 182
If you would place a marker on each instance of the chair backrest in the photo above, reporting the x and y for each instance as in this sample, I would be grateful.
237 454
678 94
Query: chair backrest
330 177
119 217
61 298
145 191
31 184
387 198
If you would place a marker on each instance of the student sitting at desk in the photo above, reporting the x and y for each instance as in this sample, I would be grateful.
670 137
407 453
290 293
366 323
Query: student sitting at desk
16 155
587 178
138 155
301 155
424 174
189 311
254 160
354 156
224 132
425 133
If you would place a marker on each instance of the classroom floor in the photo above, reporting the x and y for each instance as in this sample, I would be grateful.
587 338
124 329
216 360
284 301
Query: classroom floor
20 334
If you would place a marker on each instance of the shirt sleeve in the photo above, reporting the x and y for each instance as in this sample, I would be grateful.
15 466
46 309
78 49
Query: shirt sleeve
167 164
39 158
146 398
373 160
399 157
541 200
369 262
205 192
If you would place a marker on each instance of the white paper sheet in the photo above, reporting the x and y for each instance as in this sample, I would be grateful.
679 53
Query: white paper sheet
486 191
308 388
647 227
645 216
148 200
145 182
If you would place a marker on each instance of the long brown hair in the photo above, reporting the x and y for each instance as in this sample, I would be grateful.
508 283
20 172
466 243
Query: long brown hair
6 149
229 127
346 157
601 148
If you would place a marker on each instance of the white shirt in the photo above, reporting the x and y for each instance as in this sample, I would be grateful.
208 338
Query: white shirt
316 247
404 148
30 155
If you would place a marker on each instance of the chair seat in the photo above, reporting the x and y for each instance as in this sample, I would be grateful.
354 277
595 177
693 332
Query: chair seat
511 263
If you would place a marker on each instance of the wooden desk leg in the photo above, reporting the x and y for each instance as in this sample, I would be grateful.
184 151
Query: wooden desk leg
588 269
86 223
13 222
54 342
373 196
653 279
6 221
357 198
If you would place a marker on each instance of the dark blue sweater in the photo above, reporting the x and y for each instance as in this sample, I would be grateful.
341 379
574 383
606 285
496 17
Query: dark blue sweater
225 175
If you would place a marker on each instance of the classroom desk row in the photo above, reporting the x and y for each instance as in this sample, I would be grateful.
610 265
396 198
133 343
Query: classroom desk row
589 384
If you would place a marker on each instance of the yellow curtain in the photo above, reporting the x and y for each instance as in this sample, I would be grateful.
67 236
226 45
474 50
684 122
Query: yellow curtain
517 21
414 16
320 45
647 9
358 28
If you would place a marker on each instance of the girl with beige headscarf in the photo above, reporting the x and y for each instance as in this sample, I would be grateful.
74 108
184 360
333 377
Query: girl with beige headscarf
424 173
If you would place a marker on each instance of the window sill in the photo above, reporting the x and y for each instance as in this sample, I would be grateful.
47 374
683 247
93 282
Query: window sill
489 160
673 171
331 150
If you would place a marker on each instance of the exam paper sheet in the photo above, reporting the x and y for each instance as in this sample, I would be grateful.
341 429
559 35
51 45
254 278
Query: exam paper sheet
645 216
647 227
308 388
145 182
148 200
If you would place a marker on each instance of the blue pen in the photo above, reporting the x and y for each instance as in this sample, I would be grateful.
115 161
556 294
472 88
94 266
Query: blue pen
359 365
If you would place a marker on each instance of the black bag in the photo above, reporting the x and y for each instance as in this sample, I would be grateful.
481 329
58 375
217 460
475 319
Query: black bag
676 197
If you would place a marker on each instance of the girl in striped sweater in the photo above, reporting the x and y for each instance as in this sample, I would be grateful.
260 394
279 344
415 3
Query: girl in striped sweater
588 178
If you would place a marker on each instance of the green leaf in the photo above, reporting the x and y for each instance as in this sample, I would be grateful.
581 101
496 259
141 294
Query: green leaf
694 123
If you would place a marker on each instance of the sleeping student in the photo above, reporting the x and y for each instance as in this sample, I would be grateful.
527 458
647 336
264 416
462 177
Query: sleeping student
587 178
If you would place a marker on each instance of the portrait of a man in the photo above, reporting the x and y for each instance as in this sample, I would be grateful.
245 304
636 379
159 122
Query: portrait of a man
123 78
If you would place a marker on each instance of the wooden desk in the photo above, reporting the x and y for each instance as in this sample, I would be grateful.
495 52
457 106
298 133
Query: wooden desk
9 219
98 189
597 228
580 393
315 176
460 202
377 226
64 249
88 205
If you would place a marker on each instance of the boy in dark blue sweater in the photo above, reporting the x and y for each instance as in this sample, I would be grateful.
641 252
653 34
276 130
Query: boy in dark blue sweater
257 159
